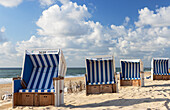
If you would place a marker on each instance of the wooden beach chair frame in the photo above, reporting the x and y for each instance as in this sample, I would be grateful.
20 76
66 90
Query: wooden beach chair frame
132 81
102 88
38 98
162 75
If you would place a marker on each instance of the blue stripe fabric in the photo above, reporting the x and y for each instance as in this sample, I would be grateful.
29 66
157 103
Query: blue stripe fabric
93 76
88 71
133 72
28 68
160 66
99 71
44 68
110 69
123 70
46 75
32 82
106 77
17 85
126 69
154 68
57 56
157 67
136 72
130 70
41 72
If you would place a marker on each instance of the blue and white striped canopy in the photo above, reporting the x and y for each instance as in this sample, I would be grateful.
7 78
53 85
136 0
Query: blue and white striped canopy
100 70
160 66
39 70
130 69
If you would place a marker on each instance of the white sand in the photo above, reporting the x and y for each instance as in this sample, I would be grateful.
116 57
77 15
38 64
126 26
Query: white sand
155 95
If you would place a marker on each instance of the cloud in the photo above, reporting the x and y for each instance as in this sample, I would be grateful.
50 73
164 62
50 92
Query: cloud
127 19
64 1
159 18
3 29
46 2
65 20
10 3
68 27
2 34
8 54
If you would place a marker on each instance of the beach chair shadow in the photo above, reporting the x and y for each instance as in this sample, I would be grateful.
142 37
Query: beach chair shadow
158 85
42 79
122 102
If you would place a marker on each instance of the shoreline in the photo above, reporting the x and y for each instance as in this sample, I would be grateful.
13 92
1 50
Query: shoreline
10 79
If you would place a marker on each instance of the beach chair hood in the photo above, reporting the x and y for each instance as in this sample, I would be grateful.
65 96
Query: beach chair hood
100 70
130 69
41 66
159 66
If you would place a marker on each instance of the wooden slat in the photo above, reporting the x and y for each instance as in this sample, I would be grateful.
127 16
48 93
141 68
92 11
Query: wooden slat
45 100
106 88
161 77
23 84
102 88
16 78
130 82
58 78
28 99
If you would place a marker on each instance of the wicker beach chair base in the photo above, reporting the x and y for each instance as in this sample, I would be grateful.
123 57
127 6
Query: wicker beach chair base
103 88
130 82
33 99
161 77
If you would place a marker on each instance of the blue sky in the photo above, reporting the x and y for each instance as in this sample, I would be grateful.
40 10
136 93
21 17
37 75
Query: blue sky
85 28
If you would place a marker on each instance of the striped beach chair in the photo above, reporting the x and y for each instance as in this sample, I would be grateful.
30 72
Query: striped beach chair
159 69
131 73
42 79
100 75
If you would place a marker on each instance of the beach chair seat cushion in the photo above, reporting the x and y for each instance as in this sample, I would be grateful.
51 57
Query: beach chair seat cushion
130 78
161 73
37 90
98 83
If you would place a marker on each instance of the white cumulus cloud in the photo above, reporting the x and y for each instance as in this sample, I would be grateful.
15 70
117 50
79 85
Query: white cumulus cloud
46 2
68 27
66 20
10 3
160 17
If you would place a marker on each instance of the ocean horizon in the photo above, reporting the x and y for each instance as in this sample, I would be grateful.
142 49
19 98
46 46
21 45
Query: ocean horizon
6 74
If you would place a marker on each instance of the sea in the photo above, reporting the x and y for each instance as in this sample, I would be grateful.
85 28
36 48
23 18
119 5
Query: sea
6 74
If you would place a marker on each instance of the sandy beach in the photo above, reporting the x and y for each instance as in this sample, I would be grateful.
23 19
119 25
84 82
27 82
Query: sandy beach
155 95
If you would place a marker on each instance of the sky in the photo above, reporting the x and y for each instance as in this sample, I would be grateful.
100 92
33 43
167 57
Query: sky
127 29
